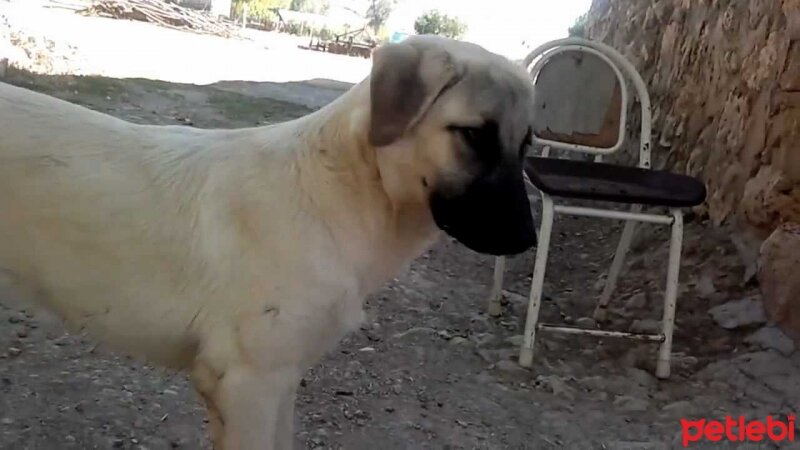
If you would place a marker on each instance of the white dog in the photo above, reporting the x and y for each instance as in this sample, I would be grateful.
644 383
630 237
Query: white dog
244 255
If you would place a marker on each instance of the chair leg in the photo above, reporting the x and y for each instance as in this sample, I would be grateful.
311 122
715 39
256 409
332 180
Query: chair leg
601 311
496 295
670 295
535 299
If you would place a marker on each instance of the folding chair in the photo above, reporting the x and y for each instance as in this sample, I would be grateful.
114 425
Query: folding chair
581 97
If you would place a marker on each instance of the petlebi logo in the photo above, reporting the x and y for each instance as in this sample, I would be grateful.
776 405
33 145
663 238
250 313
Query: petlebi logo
738 430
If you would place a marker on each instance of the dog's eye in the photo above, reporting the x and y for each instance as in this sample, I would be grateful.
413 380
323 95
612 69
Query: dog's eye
471 135
483 140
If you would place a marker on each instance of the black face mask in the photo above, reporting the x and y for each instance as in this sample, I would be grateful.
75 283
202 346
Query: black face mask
492 215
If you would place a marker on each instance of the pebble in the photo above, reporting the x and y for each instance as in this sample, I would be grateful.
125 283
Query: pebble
683 361
6 421
637 301
705 286
772 338
515 340
641 377
14 351
739 313
679 408
585 322
631 404
510 367
555 385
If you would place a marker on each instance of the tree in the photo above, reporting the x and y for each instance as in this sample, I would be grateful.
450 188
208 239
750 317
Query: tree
310 6
378 13
578 29
434 22
259 9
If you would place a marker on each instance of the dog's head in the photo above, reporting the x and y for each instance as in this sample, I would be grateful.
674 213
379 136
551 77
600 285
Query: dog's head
454 120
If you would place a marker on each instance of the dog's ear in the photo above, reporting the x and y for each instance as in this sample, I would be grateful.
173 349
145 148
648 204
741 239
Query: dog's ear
406 80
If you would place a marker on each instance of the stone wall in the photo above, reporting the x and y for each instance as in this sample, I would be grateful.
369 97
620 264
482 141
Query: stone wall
724 77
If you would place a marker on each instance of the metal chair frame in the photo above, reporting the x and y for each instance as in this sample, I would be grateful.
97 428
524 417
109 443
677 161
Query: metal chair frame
674 219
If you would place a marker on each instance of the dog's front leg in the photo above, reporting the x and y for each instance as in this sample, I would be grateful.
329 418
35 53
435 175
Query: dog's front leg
285 430
251 409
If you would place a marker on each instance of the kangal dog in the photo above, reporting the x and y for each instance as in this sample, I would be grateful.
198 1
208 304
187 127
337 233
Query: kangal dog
242 256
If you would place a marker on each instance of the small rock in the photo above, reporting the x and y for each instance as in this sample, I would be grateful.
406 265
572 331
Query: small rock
70 438
683 361
601 396
680 408
555 385
481 339
14 351
637 301
641 377
646 326
6 421
630 404
705 286
515 340
458 340
22 333
772 338
599 284
367 350
739 313
777 276
492 356
509 366
444 334
585 322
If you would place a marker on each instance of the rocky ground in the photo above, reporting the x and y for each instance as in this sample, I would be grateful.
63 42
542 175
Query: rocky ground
429 369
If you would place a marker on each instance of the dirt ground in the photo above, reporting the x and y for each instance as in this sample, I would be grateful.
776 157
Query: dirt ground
429 369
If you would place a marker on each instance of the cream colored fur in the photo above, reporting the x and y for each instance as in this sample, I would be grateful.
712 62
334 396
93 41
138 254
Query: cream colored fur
239 255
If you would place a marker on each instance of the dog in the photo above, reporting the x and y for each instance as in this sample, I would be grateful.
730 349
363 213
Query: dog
243 256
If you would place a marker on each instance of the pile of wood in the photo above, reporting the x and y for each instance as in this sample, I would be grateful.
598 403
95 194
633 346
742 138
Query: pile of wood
163 13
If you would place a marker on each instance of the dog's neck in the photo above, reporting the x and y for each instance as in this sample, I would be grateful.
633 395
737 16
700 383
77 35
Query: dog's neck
375 207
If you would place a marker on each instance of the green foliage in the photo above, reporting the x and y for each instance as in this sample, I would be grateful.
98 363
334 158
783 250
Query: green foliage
310 6
259 9
378 13
578 29
434 22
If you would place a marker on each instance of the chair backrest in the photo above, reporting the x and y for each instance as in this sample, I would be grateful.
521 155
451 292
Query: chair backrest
581 98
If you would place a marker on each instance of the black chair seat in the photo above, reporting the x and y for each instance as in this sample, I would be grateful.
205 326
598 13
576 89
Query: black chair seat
610 182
